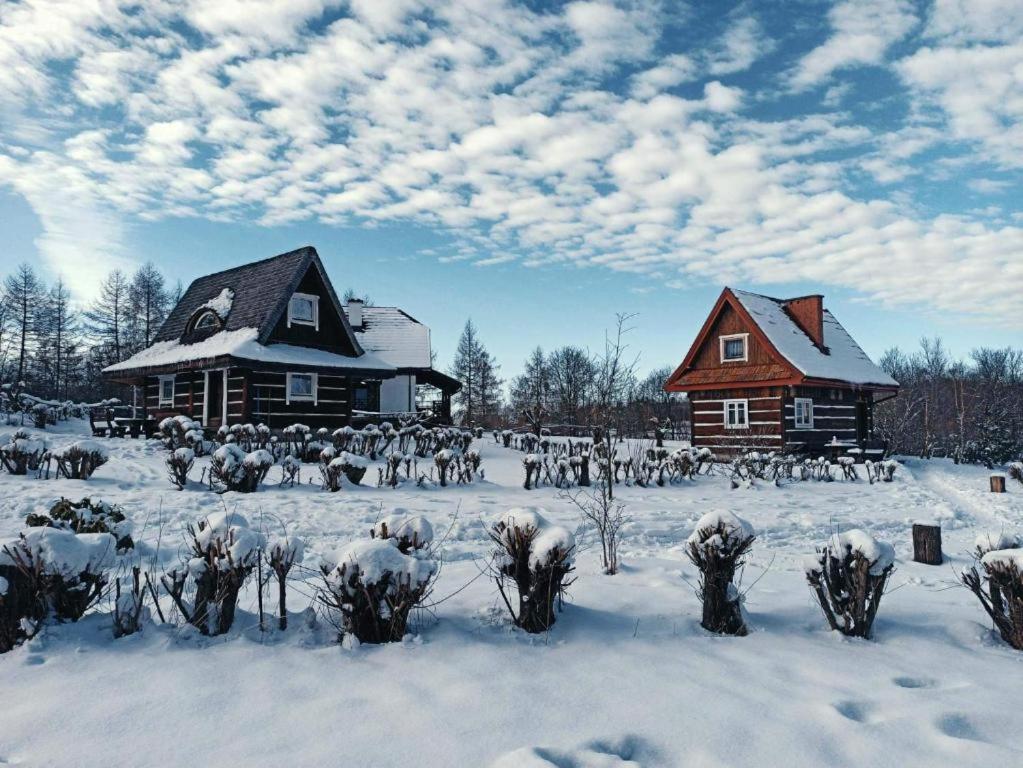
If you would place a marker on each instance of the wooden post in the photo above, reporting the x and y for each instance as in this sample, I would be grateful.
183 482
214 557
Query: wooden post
927 544
998 483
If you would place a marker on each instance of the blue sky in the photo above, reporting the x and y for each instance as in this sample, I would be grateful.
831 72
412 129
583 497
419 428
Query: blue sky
536 166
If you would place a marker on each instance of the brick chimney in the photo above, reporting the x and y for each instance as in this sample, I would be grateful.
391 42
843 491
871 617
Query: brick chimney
808 312
355 312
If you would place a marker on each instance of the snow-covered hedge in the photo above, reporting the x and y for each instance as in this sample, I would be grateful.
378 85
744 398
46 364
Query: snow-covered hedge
411 534
179 464
718 547
181 431
372 587
534 557
22 452
848 575
232 469
80 459
999 588
223 551
87 516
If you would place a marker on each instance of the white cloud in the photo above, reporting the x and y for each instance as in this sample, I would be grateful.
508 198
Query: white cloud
743 43
971 21
862 31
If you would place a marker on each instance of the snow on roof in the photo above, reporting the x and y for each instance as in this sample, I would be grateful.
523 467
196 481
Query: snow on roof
221 303
243 344
844 361
394 336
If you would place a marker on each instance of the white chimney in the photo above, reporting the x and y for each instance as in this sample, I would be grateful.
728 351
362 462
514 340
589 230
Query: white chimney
355 312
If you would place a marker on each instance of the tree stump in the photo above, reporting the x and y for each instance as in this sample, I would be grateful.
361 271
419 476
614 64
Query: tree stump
927 544
998 483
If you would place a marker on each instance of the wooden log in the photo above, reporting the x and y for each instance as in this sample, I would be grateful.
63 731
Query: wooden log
927 544
998 483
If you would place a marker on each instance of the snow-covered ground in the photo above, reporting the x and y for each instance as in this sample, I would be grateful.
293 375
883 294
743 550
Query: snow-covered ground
626 678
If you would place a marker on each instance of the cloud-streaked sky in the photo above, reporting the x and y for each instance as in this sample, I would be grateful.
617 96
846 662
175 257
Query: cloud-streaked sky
470 156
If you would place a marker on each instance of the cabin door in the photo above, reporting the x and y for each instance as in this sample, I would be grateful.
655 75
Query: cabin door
862 422
214 402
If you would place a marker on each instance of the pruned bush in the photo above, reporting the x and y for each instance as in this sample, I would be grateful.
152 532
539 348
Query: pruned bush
718 548
881 471
1015 471
87 516
291 470
130 610
990 542
534 557
347 465
999 588
22 453
222 552
532 463
281 556
181 431
63 572
22 608
848 576
179 464
410 534
80 459
231 469
371 588
443 459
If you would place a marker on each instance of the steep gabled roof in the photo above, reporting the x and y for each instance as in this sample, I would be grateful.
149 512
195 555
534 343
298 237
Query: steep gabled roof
395 336
261 289
841 360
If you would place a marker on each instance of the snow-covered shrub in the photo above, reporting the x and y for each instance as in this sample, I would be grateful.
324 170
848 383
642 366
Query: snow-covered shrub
295 438
506 438
718 547
130 610
64 572
86 516
22 452
881 471
281 555
443 459
179 464
41 414
291 470
532 463
848 466
1015 471
848 576
990 542
535 557
231 469
180 431
348 465
22 608
372 588
410 534
1000 591
222 552
80 459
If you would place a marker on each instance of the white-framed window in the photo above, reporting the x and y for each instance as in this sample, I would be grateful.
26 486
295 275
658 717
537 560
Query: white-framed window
736 414
301 387
207 319
803 407
734 347
166 390
304 309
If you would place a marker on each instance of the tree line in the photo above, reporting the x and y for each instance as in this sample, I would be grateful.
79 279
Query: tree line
568 386
57 349
970 410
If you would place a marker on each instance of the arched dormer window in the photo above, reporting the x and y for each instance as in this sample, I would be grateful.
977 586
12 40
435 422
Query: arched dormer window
205 322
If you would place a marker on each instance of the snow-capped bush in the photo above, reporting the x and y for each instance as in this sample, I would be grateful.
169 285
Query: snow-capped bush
848 466
718 547
506 438
372 588
179 464
180 431
443 461
291 470
848 576
532 463
64 572
410 534
231 469
86 516
535 557
881 471
281 554
989 542
1015 471
80 459
130 610
348 465
22 609
22 452
222 551
1000 591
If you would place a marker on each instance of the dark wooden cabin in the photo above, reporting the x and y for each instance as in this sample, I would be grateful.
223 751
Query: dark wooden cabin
780 375
264 342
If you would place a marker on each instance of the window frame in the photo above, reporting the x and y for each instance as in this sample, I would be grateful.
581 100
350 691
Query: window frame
197 324
314 301
745 412
290 397
796 423
161 380
743 337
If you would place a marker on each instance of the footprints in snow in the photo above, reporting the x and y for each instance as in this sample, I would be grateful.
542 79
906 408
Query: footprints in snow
914 682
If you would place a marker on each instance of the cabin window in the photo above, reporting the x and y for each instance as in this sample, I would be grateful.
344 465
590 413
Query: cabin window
303 309
301 387
166 390
804 413
366 396
736 414
733 348
206 320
